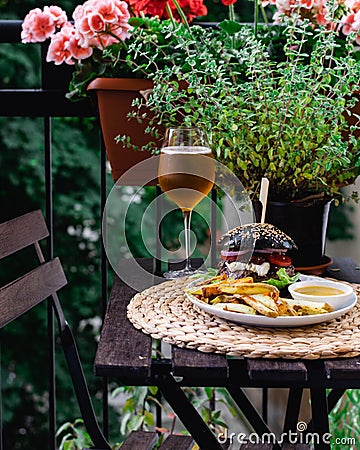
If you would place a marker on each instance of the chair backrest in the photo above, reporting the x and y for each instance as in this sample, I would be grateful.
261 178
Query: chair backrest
27 291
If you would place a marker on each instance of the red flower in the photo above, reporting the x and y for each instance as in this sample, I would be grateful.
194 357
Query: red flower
191 8
149 7
228 2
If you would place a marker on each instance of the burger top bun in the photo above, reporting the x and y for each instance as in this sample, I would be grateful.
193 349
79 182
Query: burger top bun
265 235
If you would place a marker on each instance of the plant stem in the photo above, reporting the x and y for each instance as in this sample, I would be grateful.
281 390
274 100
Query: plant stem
182 15
263 13
231 12
232 17
187 220
256 17
171 16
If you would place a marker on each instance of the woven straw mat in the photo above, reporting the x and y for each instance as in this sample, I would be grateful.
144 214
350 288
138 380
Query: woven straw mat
164 312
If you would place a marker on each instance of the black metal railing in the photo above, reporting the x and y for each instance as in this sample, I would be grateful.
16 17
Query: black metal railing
46 102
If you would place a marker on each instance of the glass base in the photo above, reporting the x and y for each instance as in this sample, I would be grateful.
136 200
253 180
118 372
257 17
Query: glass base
173 274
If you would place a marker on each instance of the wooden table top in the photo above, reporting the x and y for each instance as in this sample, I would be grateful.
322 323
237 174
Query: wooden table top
126 352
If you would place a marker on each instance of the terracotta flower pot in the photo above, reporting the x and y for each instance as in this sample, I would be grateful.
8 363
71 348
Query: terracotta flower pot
114 99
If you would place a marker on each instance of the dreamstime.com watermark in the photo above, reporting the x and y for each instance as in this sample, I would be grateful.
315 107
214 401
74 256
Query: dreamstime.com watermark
300 436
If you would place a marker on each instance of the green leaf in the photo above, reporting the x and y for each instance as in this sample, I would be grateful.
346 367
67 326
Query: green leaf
284 279
65 426
135 422
231 27
153 390
69 445
149 418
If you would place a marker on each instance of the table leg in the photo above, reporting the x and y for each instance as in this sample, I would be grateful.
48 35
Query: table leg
186 412
292 410
333 397
320 421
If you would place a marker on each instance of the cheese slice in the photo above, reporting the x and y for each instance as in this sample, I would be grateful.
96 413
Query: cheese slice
260 269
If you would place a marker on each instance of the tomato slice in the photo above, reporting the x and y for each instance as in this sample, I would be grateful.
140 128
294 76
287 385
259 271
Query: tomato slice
279 259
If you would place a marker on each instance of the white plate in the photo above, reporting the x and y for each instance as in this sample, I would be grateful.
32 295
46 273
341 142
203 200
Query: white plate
263 321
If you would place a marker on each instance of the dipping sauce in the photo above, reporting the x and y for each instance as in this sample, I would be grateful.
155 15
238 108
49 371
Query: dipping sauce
322 291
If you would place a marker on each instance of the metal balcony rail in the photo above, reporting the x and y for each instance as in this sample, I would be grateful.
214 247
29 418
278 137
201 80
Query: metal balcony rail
48 101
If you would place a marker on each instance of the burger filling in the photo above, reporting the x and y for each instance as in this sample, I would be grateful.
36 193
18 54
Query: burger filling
260 266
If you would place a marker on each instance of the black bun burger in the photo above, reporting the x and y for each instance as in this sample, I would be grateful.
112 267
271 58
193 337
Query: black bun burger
268 260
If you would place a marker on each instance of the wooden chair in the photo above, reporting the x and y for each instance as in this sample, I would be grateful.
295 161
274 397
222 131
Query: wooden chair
21 295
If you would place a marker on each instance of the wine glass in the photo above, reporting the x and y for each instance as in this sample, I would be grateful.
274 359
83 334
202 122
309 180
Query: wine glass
186 174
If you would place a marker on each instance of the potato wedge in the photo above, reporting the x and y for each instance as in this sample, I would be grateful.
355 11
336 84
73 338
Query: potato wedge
285 309
266 300
216 279
224 279
210 290
259 306
223 298
240 280
213 289
194 291
236 307
307 308
249 288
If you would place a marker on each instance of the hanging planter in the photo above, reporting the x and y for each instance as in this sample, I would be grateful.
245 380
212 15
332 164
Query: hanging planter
114 99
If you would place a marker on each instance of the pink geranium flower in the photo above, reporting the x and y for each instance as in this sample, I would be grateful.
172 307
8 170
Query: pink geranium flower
108 11
76 50
102 21
59 16
347 24
65 47
38 26
97 23
353 5
59 48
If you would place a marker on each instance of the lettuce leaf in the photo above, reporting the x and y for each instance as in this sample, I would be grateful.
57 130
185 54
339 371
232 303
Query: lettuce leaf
284 279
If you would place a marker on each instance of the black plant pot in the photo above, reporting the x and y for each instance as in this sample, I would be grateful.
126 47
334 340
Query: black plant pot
306 224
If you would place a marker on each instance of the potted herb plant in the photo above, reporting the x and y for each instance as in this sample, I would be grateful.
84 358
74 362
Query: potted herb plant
286 120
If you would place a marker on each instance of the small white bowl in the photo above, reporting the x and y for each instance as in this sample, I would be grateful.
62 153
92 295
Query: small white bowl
336 300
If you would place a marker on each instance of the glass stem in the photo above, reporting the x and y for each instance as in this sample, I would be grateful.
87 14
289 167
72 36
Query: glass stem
187 220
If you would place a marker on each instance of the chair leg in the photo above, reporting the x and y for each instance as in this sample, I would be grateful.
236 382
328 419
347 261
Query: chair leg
188 415
81 390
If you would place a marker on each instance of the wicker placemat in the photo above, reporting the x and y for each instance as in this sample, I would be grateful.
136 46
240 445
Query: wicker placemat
165 313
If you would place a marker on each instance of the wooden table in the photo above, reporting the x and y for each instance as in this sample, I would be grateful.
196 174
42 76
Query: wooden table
126 353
